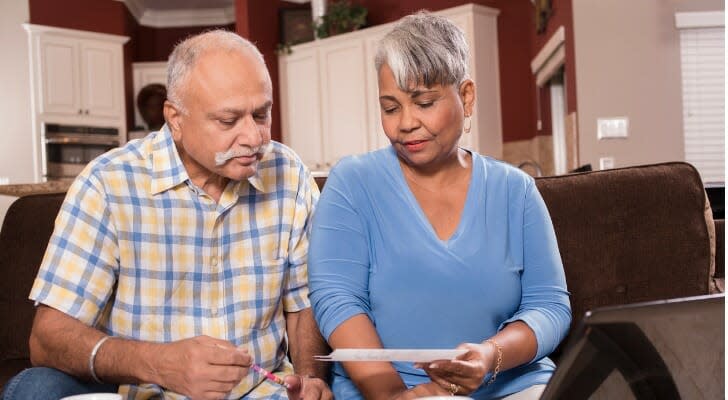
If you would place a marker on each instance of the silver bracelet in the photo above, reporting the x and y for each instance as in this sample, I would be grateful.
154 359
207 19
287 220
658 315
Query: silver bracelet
92 357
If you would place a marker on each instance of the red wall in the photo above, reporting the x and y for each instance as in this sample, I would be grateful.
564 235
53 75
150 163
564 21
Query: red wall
258 21
562 15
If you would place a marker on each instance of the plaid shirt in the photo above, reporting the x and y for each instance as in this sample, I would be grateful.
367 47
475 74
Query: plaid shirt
140 252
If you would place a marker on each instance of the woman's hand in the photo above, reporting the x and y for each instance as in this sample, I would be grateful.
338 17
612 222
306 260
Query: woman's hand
465 373
423 390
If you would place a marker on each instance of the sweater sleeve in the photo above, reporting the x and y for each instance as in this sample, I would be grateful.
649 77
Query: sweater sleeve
338 254
545 306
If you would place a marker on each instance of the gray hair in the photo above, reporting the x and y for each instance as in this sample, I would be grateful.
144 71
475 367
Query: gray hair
424 48
185 55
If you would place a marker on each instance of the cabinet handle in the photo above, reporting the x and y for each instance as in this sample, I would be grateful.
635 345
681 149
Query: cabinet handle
318 165
86 112
80 111
328 164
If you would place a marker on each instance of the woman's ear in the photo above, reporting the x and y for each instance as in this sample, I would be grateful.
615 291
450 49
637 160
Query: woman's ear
173 117
467 96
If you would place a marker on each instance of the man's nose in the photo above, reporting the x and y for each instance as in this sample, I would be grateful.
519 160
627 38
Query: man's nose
250 133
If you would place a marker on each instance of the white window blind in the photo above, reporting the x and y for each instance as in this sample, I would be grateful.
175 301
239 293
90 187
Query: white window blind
703 69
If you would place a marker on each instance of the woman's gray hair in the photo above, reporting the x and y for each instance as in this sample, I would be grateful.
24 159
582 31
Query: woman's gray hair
423 48
185 55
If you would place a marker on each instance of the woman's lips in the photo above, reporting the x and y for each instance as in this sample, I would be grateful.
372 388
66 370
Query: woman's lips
415 145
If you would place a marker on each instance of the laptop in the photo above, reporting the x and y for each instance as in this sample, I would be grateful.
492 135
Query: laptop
670 349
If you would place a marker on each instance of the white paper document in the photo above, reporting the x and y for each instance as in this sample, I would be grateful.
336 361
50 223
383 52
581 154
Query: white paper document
412 355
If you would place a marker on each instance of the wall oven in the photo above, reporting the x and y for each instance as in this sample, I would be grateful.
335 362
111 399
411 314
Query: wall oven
68 148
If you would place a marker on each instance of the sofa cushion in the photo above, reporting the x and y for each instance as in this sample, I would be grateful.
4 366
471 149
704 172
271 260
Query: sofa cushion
629 235
24 236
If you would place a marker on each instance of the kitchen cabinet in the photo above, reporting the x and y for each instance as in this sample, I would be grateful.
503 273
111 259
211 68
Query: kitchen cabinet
329 93
78 76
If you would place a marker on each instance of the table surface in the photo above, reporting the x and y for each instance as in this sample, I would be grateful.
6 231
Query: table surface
24 189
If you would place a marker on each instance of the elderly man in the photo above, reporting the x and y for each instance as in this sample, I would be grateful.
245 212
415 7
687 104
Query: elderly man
178 262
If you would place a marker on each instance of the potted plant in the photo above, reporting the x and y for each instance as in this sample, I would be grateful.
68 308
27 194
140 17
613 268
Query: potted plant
341 16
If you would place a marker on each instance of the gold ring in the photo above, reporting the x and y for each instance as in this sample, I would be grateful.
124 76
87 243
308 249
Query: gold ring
453 389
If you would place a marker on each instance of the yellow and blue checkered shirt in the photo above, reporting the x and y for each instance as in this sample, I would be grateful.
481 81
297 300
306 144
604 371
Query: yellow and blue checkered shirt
140 252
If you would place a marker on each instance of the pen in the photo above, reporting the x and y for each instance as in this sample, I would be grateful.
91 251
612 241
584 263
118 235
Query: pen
269 375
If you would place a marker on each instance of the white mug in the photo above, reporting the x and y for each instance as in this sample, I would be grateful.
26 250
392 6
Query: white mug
94 396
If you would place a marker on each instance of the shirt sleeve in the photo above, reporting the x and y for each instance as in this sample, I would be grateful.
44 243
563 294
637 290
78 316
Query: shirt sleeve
545 306
296 295
339 256
80 265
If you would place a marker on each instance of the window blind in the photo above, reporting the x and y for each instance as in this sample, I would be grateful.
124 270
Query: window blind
703 69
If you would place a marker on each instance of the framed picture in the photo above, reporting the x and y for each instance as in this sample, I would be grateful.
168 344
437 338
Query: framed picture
296 25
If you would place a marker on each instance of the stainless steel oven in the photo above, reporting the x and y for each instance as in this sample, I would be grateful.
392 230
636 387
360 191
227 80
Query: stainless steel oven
68 148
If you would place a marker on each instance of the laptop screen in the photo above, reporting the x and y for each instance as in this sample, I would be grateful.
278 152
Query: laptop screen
669 349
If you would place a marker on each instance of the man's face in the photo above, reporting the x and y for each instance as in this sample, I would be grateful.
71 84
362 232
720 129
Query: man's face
227 99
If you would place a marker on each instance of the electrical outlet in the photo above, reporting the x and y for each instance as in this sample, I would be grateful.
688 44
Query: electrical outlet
608 128
606 163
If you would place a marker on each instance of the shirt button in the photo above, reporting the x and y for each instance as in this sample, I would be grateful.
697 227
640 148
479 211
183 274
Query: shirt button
214 311
213 261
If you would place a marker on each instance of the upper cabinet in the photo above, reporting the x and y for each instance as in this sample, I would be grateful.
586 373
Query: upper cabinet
330 100
78 77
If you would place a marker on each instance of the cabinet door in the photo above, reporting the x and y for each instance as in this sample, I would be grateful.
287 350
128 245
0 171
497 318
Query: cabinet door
59 75
100 65
300 106
344 99
377 138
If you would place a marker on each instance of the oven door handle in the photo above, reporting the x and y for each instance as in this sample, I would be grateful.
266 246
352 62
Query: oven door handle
84 140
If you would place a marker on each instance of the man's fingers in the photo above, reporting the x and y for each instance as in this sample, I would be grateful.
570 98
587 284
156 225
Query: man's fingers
229 355
294 385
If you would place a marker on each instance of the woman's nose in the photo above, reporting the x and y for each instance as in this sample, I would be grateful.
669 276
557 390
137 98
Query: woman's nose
408 121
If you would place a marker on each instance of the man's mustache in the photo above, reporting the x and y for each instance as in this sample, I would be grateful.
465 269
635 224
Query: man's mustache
242 151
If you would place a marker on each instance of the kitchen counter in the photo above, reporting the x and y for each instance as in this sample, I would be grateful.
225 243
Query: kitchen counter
24 189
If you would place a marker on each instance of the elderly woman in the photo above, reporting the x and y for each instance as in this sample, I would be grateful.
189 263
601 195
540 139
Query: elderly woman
425 244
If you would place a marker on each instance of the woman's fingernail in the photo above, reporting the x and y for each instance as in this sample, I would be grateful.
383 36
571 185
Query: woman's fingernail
433 366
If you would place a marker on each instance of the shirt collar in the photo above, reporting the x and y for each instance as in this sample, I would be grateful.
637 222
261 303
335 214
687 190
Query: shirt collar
167 168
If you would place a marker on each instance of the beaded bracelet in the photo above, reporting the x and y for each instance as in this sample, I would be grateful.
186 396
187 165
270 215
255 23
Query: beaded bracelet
498 362
92 358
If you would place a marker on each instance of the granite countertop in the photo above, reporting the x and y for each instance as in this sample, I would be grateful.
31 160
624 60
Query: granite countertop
24 189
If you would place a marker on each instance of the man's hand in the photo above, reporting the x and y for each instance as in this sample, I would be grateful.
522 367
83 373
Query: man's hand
201 367
302 388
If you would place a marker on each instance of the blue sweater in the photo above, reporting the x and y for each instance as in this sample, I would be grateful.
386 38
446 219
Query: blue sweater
374 252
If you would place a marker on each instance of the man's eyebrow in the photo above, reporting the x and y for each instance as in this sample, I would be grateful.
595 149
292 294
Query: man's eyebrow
267 105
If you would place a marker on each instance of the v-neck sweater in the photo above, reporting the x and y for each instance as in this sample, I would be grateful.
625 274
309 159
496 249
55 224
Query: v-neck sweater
373 251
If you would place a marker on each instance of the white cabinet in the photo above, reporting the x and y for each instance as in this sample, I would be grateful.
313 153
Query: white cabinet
329 94
77 74
77 79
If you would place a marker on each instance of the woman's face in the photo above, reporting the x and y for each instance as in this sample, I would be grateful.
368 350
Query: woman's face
423 124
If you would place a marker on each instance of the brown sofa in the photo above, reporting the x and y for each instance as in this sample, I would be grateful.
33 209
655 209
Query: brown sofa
625 235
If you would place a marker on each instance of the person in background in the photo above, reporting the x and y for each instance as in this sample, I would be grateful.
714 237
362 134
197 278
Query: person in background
150 102
178 264
425 244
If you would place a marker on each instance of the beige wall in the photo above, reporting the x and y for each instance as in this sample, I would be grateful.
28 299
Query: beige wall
627 56
16 147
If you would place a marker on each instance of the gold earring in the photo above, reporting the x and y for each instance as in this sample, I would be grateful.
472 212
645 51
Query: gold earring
468 124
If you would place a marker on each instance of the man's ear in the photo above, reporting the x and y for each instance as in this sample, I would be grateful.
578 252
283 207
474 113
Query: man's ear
467 96
173 116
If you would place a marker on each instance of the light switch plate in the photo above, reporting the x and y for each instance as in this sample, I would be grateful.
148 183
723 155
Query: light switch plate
615 127
606 163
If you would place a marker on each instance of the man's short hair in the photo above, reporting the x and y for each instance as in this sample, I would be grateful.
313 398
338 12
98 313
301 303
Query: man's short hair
185 55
